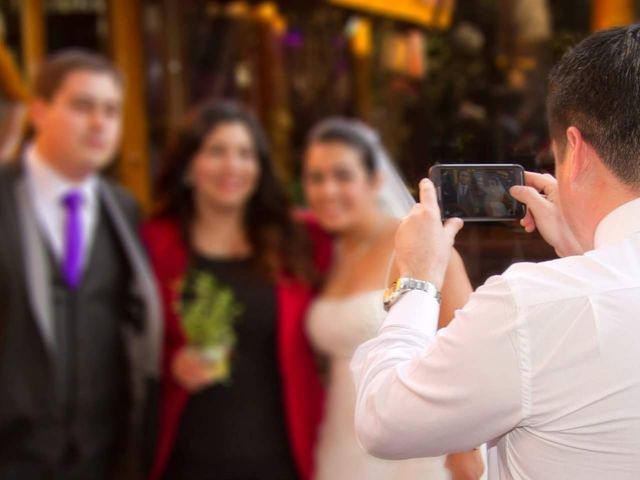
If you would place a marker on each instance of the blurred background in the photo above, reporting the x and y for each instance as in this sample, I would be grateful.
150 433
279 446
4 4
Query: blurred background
442 80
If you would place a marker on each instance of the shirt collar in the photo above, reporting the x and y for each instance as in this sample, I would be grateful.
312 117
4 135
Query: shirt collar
50 184
618 224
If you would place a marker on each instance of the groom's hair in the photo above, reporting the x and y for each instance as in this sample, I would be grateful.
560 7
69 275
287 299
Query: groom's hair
55 70
596 88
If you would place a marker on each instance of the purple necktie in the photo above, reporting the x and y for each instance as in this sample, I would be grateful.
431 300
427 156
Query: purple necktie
72 202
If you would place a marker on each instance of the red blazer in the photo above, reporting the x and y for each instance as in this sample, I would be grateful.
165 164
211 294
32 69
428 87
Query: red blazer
302 390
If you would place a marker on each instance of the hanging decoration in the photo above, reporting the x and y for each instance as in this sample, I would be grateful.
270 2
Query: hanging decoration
435 14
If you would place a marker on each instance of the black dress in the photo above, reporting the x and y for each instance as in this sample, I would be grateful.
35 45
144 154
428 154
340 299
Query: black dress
236 430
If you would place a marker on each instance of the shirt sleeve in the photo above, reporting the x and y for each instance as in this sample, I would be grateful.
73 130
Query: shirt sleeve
422 393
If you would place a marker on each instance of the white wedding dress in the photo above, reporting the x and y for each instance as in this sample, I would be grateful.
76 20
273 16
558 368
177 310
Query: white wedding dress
336 327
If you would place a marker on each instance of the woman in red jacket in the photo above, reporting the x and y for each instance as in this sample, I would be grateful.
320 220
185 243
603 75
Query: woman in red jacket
240 395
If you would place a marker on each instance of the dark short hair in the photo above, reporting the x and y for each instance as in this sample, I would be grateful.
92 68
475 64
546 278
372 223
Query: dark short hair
56 68
596 88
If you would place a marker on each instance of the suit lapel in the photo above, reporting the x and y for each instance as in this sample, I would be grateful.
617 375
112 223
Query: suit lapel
36 264
37 273
144 284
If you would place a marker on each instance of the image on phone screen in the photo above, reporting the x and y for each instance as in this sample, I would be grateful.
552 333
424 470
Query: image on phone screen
478 192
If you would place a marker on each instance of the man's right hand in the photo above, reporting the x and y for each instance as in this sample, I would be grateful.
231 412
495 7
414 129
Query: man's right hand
540 195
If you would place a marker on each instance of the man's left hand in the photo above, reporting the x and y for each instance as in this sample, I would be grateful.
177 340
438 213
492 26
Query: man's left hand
423 243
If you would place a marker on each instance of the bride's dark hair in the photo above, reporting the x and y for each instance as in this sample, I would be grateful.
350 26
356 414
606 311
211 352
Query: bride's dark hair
342 130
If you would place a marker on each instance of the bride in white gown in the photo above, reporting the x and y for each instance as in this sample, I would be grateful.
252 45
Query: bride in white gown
356 195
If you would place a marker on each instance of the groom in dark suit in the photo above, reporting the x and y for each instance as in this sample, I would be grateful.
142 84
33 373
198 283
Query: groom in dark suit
467 198
79 317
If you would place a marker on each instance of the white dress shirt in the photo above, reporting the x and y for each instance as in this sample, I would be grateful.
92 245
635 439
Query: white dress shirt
543 362
47 188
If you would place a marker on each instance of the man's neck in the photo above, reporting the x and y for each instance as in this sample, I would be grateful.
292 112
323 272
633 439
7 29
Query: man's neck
60 166
609 199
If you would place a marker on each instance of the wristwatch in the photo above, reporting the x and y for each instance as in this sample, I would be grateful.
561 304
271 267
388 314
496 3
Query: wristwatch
405 284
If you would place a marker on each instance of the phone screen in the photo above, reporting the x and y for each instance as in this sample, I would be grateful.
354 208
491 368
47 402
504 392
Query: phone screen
478 192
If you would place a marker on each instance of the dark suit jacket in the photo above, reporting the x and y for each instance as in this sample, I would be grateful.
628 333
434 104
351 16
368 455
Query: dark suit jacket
26 297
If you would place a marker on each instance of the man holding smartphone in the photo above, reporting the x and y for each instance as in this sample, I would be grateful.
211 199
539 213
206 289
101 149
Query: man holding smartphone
543 360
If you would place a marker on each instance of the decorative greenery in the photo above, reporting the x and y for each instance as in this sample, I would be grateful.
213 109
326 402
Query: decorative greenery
209 311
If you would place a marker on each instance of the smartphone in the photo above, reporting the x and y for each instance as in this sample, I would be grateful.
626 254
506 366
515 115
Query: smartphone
478 192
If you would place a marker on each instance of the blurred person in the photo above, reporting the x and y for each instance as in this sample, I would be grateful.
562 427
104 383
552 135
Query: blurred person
495 197
467 196
462 192
543 359
74 284
356 195
241 396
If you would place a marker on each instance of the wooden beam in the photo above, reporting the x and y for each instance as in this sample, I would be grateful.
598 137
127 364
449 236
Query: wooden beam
133 169
427 13
361 44
33 35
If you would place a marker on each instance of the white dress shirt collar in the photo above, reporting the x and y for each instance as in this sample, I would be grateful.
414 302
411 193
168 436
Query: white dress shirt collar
618 224
46 188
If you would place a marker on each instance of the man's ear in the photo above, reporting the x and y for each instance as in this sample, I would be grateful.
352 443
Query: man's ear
37 112
578 154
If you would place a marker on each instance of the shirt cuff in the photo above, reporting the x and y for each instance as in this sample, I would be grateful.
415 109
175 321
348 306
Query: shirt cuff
417 310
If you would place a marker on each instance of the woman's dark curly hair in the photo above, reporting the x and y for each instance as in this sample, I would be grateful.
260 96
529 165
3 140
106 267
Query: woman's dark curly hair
278 242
